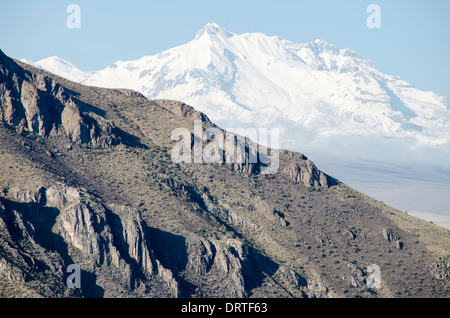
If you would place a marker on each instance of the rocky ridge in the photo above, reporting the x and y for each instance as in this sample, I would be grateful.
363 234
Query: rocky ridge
38 104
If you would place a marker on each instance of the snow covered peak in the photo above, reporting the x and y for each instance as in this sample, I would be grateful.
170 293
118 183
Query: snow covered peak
56 60
213 28
61 67
260 80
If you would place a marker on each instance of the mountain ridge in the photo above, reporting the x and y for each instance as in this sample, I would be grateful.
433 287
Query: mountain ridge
140 225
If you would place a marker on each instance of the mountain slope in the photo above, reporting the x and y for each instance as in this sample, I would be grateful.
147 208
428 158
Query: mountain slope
99 189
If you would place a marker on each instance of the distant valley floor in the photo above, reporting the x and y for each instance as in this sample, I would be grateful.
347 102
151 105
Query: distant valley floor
422 191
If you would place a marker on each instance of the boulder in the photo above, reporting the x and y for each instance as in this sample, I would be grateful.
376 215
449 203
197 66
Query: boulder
304 171
388 235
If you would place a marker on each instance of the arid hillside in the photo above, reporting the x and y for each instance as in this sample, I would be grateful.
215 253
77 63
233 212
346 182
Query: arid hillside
87 177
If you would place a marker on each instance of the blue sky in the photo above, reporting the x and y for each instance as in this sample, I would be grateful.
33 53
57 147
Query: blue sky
413 40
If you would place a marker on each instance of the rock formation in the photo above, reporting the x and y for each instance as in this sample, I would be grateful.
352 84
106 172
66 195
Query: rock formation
38 104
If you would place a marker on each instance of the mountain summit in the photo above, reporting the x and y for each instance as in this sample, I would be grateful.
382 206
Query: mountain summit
213 29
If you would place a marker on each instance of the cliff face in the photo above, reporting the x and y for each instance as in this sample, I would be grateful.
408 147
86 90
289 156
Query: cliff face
295 167
38 104
79 231
87 179
113 244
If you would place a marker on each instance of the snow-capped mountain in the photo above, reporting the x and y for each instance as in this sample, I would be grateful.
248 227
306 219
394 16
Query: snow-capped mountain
61 67
313 90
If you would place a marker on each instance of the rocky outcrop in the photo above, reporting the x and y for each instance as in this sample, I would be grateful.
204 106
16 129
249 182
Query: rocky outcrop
114 236
231 258
276 217
357 277
83 129
99 239
297 169
38 104
226 214
35 198
21 255
7 270
441 268
233 262
182 110
304 171
389 235
232 266
128 226
129 92
290 278
246 168
82 228
201 254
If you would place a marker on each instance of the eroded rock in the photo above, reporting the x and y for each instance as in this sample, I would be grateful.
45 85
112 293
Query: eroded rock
41 106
